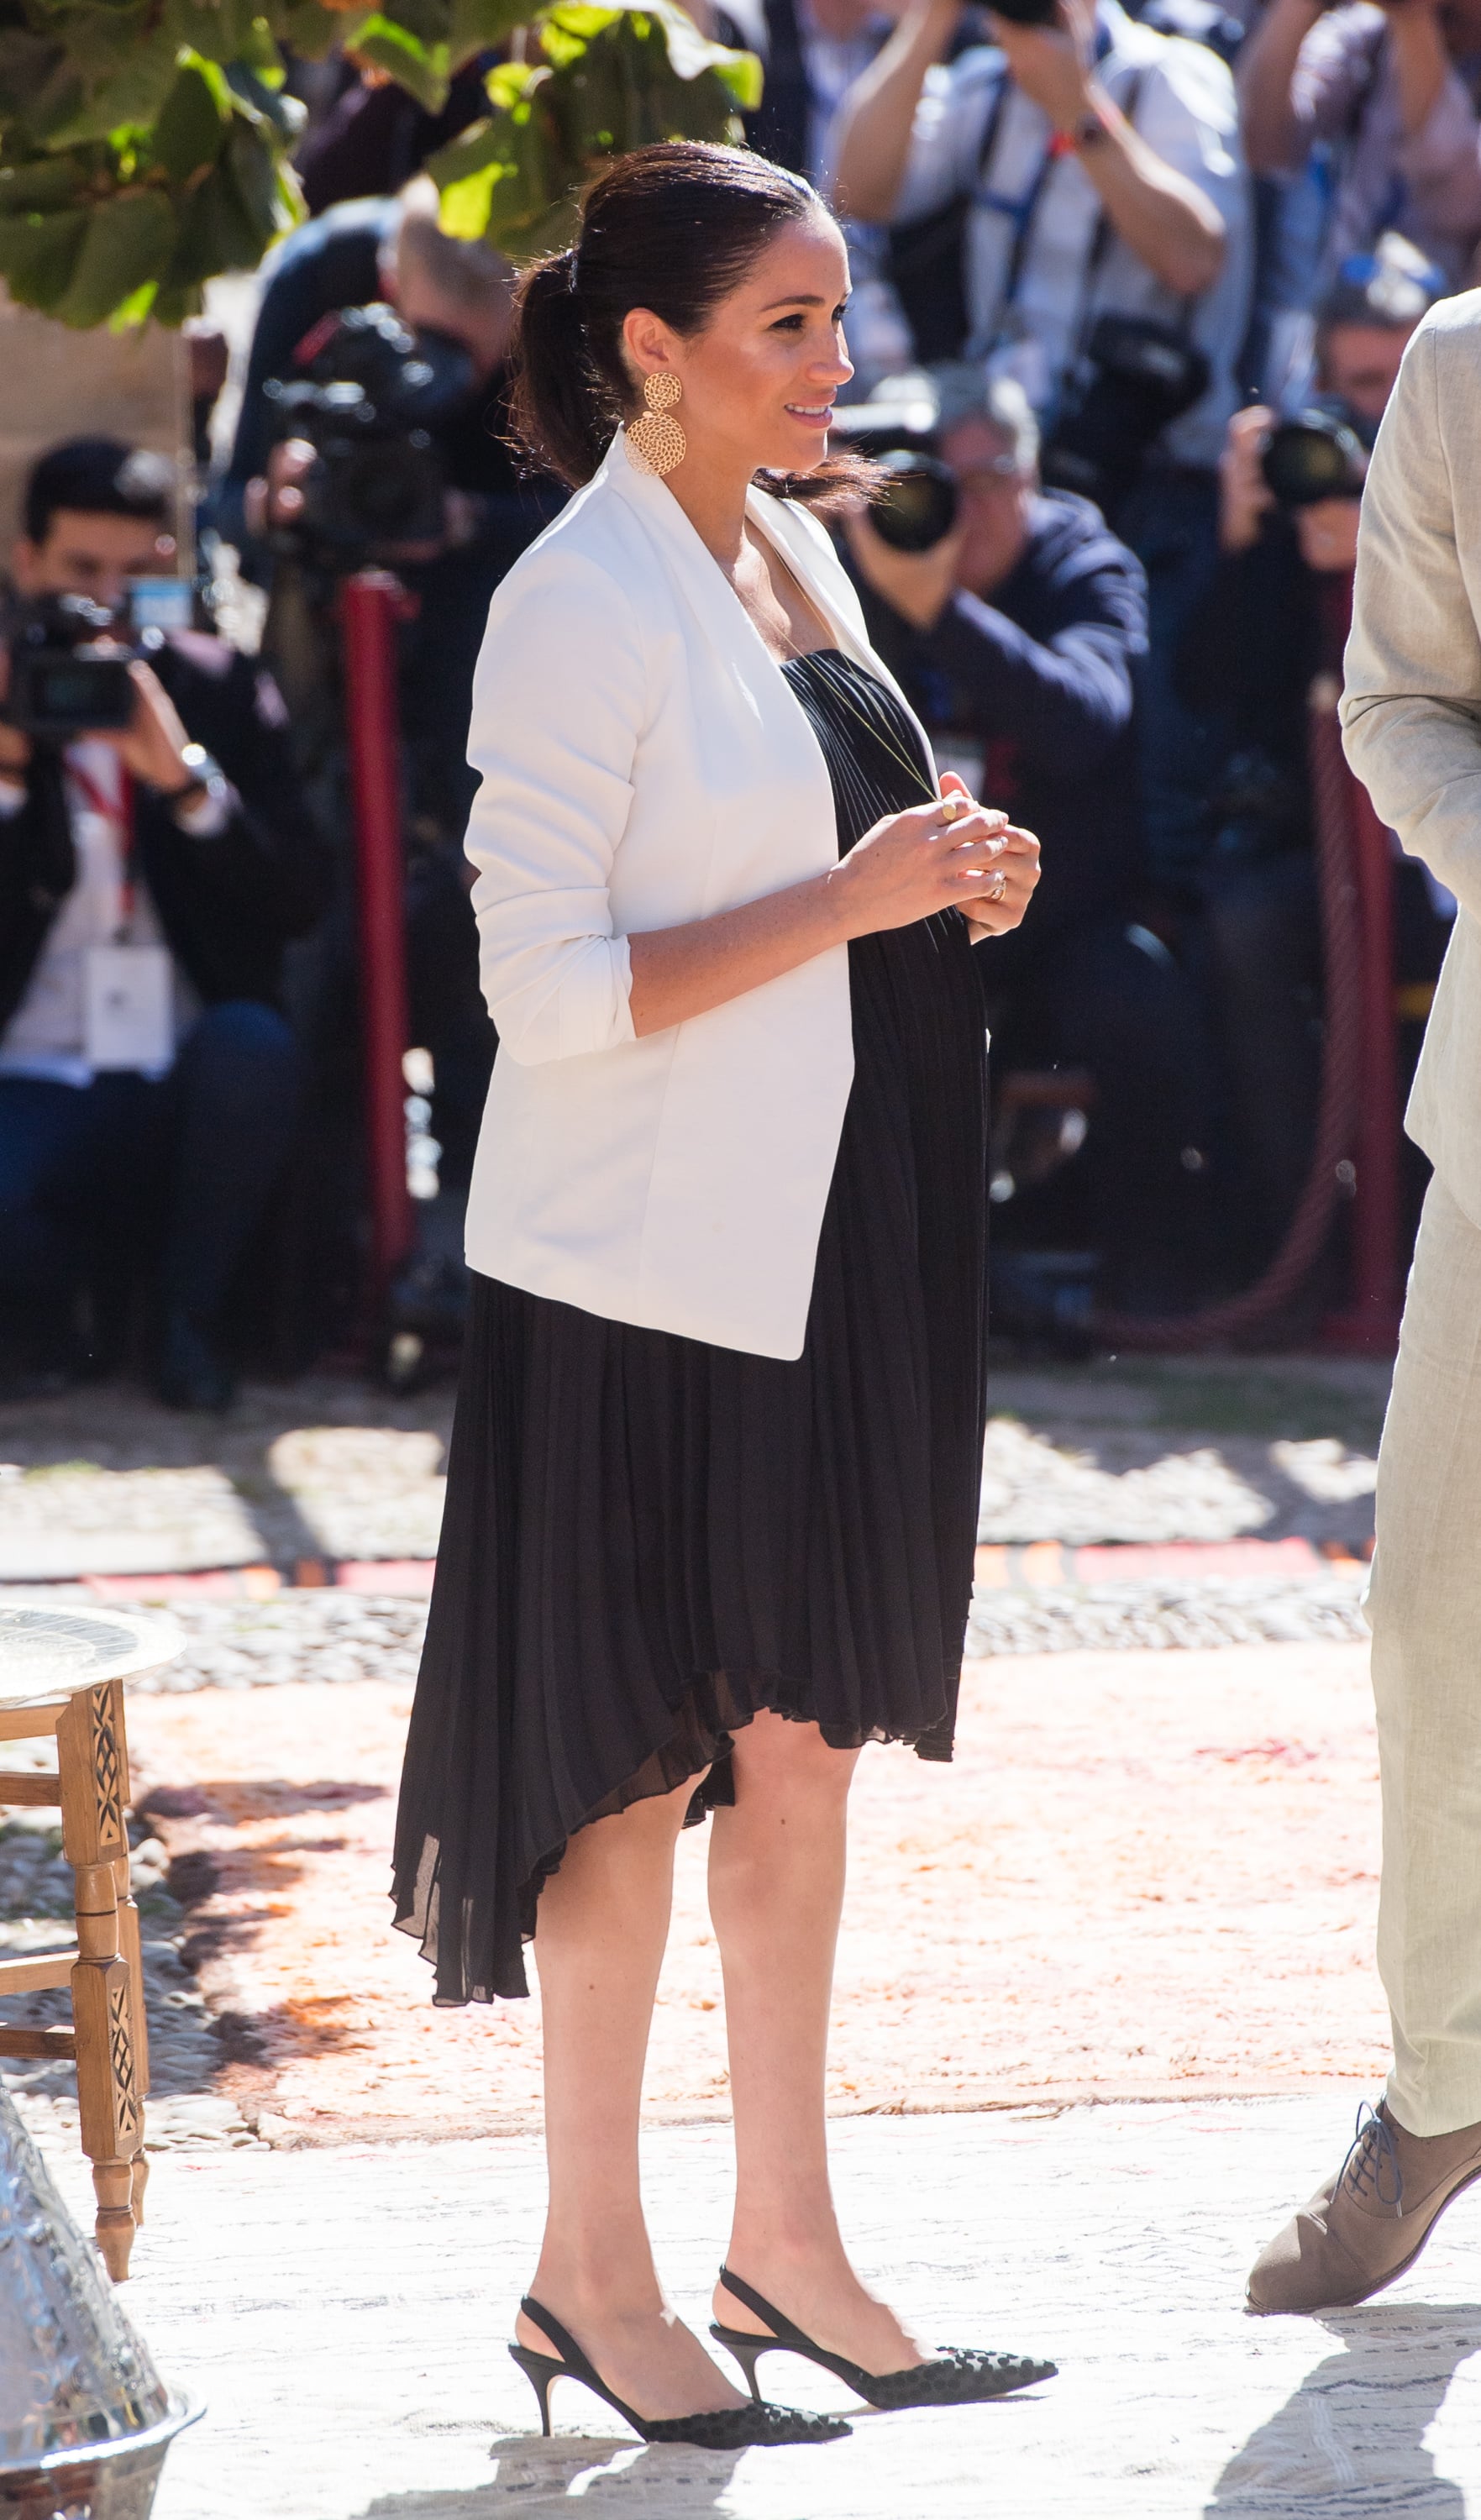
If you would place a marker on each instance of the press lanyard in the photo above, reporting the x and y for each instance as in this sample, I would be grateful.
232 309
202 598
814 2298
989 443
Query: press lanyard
118 813
1022 211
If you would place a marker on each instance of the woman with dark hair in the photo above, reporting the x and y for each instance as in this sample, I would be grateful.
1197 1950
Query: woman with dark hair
712 1490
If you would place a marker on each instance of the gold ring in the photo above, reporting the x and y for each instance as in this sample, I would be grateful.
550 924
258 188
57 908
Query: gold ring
998 887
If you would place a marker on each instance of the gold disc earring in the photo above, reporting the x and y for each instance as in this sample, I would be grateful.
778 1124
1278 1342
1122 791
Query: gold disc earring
655 443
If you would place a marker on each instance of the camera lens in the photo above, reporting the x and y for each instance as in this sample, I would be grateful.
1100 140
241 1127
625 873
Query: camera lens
1314 457
917 504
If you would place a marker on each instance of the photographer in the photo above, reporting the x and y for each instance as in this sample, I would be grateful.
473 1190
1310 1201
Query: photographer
1092 169
1276 614
154 860
455 297
1393 92
1020 634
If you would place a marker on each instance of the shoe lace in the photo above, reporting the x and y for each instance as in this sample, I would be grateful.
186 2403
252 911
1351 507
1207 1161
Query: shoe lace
1377 2157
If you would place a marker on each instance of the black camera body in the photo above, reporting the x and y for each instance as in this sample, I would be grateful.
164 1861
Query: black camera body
915 505
68 670
1134 379
1321 453
367 397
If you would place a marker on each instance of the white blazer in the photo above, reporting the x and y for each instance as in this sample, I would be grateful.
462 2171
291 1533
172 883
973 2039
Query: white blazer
645 762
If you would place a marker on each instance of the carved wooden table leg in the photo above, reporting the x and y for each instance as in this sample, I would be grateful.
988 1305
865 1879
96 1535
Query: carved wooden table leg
107 1996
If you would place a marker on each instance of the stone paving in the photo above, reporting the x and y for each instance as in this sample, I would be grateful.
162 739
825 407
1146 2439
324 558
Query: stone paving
1071 1965
1145 1875
344 2317
105 1482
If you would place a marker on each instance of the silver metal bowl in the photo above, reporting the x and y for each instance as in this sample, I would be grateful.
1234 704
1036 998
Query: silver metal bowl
85 2419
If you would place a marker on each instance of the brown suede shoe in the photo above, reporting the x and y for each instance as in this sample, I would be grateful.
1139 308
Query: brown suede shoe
1369 2222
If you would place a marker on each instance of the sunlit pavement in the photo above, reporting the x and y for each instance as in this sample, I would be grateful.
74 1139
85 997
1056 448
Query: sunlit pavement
343 2312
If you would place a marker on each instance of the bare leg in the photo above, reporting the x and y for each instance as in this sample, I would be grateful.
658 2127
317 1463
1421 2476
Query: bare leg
775 1893
602 1926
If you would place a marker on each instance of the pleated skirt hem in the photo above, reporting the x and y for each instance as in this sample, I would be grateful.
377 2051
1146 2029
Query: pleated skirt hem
716 1707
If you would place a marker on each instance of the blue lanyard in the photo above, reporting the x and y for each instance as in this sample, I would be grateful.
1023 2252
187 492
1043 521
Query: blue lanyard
1022 211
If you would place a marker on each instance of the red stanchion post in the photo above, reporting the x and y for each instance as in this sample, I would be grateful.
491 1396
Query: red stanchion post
372 601
1372 1319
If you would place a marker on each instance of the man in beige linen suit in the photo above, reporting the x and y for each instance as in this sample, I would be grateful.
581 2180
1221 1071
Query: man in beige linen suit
1411 720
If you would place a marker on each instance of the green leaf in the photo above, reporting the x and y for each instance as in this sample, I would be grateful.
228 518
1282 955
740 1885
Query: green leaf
473 25
128 240
172 306
480 145
466 208
38 254
258 97
42 184
135 310
32 67
124 67
421 69
191 131
312 31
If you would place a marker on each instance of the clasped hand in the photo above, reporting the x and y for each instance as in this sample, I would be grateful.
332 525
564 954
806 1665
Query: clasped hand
952 855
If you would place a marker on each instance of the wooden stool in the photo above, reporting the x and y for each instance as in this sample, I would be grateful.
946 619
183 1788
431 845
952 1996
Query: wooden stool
61 1675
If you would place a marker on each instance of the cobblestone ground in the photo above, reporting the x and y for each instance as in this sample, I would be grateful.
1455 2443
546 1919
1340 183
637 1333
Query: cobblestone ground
1139 1450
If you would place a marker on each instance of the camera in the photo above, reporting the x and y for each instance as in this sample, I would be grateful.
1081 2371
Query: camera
915 505
68 670
1319 454
367 397
1136 377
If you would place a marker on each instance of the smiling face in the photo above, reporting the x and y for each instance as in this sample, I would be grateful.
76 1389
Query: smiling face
761 375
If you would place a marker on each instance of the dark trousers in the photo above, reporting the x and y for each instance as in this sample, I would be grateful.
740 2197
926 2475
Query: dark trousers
1170 520
1108 997
1261 948
98 1175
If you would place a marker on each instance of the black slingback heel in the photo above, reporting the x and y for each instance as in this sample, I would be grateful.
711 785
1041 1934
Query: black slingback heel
751 2427
961 2377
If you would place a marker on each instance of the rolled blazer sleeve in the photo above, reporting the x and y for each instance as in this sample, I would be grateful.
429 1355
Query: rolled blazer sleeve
1412 707
558 703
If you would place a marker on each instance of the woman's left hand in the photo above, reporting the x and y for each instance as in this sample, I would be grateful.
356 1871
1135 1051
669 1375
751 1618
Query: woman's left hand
1010 886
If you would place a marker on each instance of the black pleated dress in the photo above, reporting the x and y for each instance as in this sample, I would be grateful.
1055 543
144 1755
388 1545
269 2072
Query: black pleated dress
646 1539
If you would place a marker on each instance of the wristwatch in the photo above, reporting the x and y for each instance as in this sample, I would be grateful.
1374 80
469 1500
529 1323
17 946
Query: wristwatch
203 805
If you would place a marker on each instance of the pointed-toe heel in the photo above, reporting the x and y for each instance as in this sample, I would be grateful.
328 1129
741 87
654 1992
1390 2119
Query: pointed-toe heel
963 2376
751 2427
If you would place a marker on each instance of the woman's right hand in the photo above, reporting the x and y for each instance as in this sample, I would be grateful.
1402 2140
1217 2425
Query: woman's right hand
913 864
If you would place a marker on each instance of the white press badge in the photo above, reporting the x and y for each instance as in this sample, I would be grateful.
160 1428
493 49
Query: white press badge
127 1006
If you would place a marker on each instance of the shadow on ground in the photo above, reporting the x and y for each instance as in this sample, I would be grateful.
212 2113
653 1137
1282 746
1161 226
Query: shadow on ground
1352 2439
663 2482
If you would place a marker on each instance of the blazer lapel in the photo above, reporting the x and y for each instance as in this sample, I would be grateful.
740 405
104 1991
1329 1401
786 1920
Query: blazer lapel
717 607
769 517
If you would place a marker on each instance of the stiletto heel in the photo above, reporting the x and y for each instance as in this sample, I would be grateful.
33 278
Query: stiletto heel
539 2370
747 2353
962 2377
713 2428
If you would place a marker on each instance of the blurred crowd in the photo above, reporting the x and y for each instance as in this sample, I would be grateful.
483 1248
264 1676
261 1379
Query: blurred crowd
1130 294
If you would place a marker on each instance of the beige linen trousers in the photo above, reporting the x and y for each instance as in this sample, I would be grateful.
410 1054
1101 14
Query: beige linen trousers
1411 722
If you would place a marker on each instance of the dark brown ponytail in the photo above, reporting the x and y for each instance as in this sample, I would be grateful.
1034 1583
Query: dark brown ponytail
673 228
